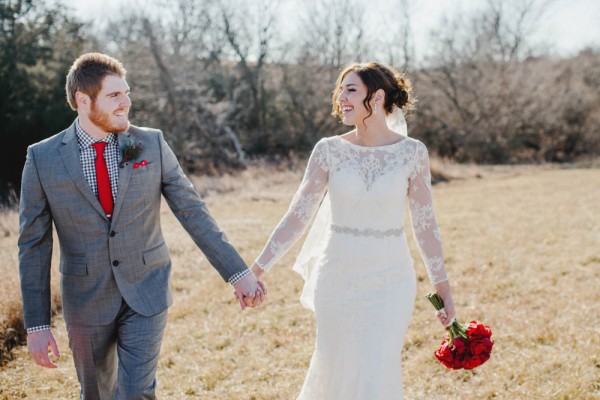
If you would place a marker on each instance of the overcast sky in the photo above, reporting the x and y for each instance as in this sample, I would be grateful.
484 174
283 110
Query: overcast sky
568 25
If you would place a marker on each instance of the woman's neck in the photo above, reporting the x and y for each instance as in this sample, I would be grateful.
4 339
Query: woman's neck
374 133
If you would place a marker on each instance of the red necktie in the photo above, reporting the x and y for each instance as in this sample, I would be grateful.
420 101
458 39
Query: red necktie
103 180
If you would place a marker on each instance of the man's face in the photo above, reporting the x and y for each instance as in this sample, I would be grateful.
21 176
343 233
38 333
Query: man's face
110 110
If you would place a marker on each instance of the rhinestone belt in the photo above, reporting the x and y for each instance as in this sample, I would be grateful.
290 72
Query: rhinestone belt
367 231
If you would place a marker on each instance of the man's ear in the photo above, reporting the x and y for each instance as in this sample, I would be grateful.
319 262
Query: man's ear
82 100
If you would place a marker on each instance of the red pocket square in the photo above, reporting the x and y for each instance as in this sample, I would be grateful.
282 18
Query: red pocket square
142 163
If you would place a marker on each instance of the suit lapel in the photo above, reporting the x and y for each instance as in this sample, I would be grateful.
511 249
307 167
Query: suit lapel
124 176
69 152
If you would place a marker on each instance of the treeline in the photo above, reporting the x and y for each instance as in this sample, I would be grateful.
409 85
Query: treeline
225 85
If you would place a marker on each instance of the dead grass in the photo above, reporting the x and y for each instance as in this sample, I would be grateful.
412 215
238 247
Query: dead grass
10 317
523 253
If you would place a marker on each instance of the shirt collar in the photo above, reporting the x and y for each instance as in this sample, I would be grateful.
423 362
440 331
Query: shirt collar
85 140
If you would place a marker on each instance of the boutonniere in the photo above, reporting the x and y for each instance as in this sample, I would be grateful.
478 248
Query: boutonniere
130 151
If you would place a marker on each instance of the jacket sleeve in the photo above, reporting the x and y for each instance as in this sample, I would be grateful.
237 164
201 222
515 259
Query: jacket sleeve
192 213
35 246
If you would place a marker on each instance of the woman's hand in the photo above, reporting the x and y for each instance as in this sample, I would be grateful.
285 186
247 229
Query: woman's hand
257 271
445 315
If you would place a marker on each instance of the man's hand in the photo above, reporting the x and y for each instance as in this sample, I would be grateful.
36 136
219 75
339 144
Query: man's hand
249 291
37 346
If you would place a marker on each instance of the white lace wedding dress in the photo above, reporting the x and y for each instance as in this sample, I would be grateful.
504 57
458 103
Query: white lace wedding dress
359 274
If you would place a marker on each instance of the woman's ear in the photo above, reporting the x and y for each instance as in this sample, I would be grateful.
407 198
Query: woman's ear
379 97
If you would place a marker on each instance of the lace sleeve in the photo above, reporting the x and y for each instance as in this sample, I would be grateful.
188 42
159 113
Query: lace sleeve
425 229
302 208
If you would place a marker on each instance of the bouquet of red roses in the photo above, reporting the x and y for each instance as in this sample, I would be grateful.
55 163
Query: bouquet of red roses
466 346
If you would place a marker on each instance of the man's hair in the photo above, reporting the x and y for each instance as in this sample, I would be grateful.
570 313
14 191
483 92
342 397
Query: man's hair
88 72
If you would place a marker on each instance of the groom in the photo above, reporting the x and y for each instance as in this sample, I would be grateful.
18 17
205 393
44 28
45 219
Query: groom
100 182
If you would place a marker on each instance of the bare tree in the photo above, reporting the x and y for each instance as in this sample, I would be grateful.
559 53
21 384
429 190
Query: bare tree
477 62
176 55
333 32
217 76
237 23
400 46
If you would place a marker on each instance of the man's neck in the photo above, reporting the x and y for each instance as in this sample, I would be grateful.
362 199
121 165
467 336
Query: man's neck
91 129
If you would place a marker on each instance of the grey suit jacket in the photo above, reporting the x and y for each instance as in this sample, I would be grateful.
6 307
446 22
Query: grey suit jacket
103 261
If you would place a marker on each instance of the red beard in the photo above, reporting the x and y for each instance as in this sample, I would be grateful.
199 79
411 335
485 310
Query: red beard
102 120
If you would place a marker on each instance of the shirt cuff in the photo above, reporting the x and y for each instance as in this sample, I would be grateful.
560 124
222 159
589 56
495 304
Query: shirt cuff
238 276
38 328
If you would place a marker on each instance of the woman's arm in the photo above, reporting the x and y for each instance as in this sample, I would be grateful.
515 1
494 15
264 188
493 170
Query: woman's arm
425 229
304 205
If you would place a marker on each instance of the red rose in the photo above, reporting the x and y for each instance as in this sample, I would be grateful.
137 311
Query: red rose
460 346
479 346
484 357
475 361
477 329
472 362
445 355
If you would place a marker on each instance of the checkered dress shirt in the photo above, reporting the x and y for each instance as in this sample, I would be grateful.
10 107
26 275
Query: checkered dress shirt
87 155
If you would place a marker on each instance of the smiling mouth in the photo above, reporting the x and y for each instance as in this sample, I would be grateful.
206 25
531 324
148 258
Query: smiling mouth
120 113
347 109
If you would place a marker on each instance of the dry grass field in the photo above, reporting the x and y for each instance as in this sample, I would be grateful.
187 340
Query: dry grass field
523 254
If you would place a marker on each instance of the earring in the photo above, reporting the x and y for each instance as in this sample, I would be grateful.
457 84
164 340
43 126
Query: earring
375 109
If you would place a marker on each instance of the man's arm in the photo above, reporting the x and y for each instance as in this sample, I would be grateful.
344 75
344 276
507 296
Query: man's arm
35 255
35 246
192 213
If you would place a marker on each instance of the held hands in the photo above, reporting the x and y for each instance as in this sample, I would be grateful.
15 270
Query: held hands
250 291
37 346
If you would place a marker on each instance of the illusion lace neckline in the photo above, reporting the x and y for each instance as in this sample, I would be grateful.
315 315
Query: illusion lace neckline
383 146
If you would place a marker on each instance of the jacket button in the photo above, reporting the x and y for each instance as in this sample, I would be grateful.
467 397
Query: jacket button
112 233
115 263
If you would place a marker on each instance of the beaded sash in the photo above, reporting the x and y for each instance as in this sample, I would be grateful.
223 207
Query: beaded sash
376 233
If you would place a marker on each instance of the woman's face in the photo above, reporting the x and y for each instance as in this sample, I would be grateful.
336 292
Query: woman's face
350 100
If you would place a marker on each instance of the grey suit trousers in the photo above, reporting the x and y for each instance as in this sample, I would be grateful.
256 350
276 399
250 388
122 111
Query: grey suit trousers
118 360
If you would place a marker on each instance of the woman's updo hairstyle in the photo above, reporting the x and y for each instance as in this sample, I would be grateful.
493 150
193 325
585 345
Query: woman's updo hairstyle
375 76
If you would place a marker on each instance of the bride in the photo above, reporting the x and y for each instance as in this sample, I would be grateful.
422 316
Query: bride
359 276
